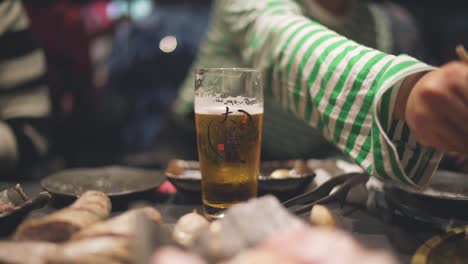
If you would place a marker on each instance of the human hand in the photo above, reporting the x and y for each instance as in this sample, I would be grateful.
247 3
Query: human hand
437 108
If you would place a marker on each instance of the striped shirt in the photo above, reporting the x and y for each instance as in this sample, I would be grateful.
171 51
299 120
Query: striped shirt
345 90
24 98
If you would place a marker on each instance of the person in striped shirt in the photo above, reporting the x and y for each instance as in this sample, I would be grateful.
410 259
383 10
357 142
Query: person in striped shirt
392 114
24 97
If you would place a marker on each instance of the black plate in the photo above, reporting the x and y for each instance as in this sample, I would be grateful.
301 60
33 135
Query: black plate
119 183
191 180
186 184
24 205
446 196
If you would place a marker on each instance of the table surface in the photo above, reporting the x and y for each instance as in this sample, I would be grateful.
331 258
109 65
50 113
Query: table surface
398 235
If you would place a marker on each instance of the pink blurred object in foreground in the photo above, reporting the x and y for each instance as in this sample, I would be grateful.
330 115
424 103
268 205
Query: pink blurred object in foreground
315 246
310 245
170 255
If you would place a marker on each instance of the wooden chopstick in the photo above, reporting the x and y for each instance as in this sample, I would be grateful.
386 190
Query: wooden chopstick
462 54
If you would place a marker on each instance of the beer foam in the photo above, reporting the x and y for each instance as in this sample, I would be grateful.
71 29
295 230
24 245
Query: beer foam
212 105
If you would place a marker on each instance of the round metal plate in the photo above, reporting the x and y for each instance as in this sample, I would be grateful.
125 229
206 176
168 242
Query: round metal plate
114 181
446 196
186 176
444 185
265 184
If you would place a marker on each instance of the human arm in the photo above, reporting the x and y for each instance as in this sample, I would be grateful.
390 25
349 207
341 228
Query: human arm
24 98
345 90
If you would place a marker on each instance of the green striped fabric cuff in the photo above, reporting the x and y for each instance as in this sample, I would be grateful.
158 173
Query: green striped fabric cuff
397 155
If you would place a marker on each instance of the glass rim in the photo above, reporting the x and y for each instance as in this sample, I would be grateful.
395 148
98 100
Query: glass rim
227 69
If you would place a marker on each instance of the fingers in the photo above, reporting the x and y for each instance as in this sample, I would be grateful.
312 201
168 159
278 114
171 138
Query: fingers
441 132
444 138
437 130
450 112
448 142
456 74
437 108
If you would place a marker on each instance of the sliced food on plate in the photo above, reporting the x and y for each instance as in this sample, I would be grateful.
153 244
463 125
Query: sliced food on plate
91 207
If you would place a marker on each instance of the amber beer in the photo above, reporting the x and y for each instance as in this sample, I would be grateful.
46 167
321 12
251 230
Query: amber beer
229 143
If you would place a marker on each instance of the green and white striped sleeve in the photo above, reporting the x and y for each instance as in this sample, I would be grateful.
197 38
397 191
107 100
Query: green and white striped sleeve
344 89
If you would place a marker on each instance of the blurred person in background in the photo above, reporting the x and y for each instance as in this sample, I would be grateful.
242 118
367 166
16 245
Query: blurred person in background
76 37
383 26
150 57
24 94
393 115
115 66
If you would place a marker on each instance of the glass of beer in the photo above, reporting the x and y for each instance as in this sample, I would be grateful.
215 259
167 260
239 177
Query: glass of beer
229 122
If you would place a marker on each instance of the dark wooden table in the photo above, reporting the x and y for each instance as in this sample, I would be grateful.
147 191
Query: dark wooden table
374 228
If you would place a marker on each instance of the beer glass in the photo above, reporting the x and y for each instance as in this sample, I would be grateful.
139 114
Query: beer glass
229 122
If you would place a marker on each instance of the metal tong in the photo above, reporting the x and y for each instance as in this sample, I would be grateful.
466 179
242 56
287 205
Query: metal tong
321 195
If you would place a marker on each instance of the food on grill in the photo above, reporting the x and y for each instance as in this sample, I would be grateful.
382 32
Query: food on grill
11 198
188 227
111 239
303 245
122 225
280 174
38 252
112 248
175 256
81 260
31 252
91 207
104 242
6 207
312 245
245 225
322 216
